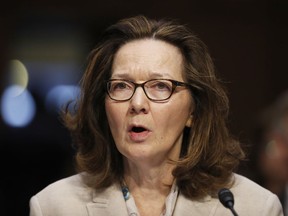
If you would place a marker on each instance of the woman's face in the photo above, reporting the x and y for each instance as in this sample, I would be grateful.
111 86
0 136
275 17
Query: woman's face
143 130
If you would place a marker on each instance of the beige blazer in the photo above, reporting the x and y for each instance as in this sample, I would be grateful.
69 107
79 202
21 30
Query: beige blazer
71 197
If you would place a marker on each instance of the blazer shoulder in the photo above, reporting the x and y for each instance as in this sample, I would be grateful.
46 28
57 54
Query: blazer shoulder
66 184
252 197
70 191
242 183
72 187
73 196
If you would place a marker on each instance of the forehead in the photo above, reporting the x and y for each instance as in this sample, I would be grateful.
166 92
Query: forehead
149 46
148 56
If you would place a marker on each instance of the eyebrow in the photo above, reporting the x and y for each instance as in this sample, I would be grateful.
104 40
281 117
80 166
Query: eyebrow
153 75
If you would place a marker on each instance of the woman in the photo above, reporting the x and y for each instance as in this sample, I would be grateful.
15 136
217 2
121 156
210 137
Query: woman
151 133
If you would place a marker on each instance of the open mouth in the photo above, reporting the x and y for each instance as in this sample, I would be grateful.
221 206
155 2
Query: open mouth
138 133
138 129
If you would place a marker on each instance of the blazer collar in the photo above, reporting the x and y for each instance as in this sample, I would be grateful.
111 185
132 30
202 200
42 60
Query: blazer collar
108 202
206 206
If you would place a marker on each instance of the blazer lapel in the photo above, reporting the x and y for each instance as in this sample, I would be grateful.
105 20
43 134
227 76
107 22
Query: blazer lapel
187 207
108 202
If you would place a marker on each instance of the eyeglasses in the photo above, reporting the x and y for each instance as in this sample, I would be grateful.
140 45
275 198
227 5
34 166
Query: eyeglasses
155 89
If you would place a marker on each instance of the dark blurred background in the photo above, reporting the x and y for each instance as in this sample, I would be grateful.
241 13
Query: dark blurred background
43 48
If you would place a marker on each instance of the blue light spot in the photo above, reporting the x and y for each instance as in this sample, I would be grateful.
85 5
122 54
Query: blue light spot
58 97
17 106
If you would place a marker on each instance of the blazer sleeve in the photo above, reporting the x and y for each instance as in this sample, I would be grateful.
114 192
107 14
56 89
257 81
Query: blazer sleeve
273 206
35 209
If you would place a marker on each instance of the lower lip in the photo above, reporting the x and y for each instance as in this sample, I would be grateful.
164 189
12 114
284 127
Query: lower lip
139 137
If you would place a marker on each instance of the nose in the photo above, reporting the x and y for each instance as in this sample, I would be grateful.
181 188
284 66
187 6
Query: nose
139 101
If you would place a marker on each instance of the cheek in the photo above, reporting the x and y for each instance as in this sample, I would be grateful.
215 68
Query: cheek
113 112
180 112
172 118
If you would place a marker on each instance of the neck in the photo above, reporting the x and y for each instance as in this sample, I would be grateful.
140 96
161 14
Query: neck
147 177
149 186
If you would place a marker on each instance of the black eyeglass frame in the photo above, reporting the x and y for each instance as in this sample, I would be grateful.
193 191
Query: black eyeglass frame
175 84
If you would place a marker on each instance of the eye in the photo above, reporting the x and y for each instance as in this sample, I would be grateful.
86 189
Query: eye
161 85
119 85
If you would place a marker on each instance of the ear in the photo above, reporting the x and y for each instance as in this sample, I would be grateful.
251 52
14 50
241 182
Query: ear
189 121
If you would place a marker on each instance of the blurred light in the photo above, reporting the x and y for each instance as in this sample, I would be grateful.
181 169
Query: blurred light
58 97
18 74
17 106
46 75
